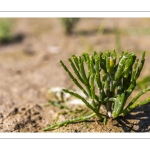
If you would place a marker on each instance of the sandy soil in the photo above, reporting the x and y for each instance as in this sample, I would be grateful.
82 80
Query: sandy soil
30 66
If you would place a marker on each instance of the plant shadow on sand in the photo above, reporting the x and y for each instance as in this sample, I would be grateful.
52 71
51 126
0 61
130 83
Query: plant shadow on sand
137 121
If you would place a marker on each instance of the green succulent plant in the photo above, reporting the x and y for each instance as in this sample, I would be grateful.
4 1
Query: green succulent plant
105 82
69 24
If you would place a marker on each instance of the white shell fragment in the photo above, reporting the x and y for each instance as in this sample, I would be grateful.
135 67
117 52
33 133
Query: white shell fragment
57 93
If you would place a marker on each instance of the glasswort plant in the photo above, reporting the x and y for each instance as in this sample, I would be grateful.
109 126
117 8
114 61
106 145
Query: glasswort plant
105 83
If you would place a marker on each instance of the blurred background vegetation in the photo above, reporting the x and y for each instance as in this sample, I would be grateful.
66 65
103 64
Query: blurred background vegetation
7 36
69 24
6 26
63 37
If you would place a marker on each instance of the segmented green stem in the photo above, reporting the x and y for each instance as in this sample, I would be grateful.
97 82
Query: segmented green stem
86 79
97 68
138 104
82 70
118 105
108 62
120 67
141 65
69 121
75 58
73 78
76 71
84 101
127 109
128 66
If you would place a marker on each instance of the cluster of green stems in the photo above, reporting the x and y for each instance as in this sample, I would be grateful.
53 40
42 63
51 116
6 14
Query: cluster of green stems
106 83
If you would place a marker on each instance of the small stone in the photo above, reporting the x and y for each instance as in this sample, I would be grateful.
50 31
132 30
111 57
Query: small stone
136 127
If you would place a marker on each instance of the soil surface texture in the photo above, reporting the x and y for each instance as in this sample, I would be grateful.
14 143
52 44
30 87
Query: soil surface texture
29 67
